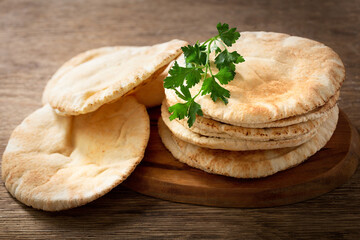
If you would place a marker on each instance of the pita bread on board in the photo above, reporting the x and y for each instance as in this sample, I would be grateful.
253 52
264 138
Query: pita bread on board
212 128
282 76
103 75
56 162
231 144
247 164
312 115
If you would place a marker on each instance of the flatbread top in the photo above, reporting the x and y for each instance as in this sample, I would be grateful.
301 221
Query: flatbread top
208 127
103 75
231 143
57 162
297 119
282 76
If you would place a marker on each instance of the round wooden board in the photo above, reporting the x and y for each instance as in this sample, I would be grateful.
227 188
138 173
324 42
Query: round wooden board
161 175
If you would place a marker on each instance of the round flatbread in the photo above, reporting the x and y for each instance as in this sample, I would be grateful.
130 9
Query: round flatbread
103 75
212 128
309 116
282 76
248 164
230 143
56 162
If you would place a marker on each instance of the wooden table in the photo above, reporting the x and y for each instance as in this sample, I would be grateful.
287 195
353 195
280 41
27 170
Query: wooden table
36 37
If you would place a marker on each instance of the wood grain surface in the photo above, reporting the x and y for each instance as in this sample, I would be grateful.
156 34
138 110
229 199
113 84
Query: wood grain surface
36 37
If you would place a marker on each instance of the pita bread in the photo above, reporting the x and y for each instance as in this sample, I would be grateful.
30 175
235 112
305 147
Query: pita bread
212 128
102 76
248 164
282 76
152 93
312 115
54 162
231 144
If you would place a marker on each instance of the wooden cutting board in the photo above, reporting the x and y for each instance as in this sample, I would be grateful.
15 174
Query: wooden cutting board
161 175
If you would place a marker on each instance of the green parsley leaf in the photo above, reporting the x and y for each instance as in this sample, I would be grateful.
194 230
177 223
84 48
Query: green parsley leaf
197 68
240 59
225 75
228 36
226 59
215 90
179 74
190 109
194 109
186 92
180 95
176 76
178 110
195 54
193 77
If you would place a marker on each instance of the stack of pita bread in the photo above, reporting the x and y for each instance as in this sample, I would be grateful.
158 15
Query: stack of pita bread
281 111
93 127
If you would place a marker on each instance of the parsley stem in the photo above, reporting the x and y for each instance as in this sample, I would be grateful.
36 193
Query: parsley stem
208 55
223 44
207 65
210 39
178 93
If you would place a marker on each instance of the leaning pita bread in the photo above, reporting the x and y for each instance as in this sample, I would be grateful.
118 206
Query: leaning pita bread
212 128
103 75
248 164
282 76
152 93
56 162
231 144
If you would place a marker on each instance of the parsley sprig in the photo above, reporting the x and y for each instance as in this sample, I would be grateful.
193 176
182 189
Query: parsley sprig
197 68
